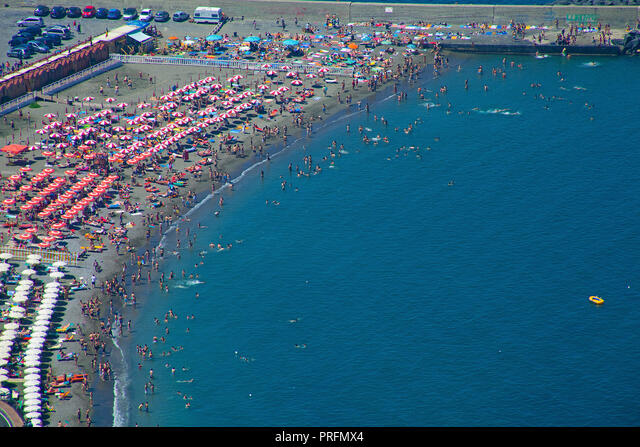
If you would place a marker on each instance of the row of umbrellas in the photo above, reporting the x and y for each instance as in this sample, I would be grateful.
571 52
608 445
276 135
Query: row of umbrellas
32 397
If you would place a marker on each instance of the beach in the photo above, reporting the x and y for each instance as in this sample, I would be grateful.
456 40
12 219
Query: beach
148 84
119 244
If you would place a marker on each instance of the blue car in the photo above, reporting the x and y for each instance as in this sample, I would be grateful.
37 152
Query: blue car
37 47
51 39
19 53
58 12
102 13
114 14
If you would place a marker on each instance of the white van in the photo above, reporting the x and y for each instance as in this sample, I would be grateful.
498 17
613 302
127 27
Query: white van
204 14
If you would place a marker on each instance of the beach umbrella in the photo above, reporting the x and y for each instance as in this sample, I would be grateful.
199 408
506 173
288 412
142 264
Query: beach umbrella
11 326
27 272
33 415
252 39
213 37
290 42
56 274
296 82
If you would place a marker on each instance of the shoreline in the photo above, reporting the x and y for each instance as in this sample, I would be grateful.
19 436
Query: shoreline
104 396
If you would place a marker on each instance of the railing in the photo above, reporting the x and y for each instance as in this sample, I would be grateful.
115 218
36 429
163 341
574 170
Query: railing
17 103
47 256
80 76
232 64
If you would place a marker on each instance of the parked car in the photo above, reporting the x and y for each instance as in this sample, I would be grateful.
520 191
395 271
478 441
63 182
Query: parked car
146 15
19 53
58 12
50 39
161 16
30 31
38 47
18 40
64 33
41 11
89 11
74 12
180 16
102 13
129 14
31 21
114 14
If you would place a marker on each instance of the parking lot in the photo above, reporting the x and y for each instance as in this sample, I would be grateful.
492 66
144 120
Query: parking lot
88 27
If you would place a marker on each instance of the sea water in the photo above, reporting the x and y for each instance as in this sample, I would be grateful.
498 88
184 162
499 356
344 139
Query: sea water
439 279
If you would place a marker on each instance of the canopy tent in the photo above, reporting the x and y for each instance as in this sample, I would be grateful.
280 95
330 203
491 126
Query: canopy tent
14 149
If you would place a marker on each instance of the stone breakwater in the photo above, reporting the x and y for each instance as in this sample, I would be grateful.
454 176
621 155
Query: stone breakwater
619 15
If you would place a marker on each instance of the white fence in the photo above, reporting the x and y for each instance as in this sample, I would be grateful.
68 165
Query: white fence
232 64
17 103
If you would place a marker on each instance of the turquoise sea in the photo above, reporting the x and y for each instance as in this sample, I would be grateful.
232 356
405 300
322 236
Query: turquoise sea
440 279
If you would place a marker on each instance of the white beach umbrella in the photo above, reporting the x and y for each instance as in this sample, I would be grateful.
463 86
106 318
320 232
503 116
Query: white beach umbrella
25 281
4 343
32 378
9 334
34 256
27 272
32 383
33 395
32 261
32 407
59 264
23 288
11 326
3 361
4 267
6 256
32 362
36 422
33 415
16 315
32 371
36 340
19 299
51 293
33 401
56 274
3 378
52 284
31 389
4 371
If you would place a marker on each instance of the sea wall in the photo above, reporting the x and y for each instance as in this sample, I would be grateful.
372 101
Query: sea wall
315 11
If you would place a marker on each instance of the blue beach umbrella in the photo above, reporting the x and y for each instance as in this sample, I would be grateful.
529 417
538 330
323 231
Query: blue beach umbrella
411 46
290 42
252 39
213 37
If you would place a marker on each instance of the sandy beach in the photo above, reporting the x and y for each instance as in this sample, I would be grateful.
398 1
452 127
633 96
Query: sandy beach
92 311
